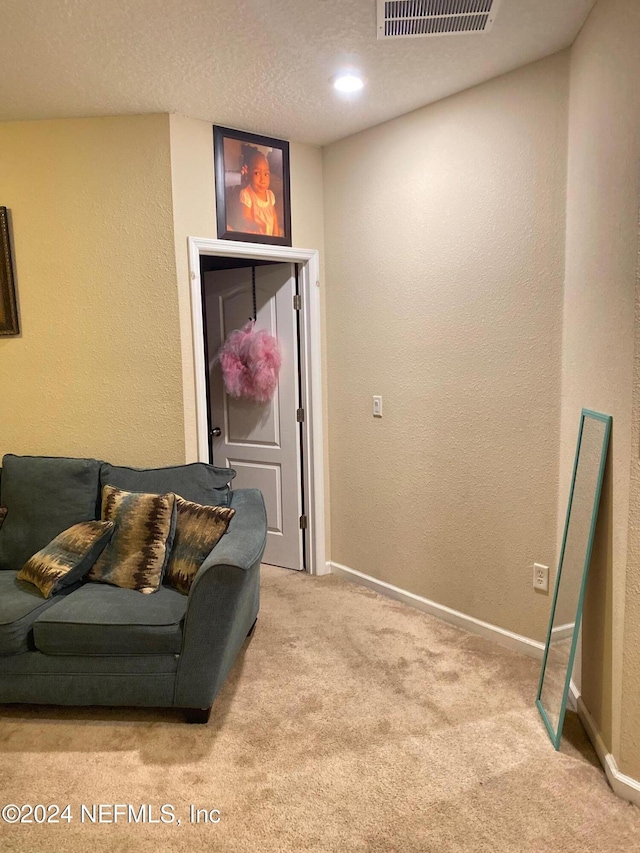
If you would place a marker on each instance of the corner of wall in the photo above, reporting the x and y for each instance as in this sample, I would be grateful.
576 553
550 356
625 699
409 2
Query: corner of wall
194 215
307 225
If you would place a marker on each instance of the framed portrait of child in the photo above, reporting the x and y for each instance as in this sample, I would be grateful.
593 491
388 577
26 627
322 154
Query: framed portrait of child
253 198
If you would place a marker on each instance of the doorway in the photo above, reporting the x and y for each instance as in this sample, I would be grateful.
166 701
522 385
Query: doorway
214 256
262 442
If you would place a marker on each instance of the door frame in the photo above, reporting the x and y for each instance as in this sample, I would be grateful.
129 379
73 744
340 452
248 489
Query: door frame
310 371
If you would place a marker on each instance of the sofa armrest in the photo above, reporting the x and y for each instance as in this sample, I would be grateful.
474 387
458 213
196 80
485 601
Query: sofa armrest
223 604
244 541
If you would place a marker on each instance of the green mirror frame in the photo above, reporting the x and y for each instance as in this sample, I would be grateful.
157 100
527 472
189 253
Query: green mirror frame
556 733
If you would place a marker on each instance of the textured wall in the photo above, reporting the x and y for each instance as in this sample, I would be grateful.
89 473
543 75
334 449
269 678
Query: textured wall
445 234
598 350
97 369
307 226
194 215
101 211
261 66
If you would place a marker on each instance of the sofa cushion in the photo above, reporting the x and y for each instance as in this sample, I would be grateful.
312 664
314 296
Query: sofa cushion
20 604
198 529
136 556
44 495
106 620
198 482
68 557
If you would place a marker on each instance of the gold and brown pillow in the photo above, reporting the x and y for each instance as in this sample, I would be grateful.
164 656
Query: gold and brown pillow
198 530
137 553
68 557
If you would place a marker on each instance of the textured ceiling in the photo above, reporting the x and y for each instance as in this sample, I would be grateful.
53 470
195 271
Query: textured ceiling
260 65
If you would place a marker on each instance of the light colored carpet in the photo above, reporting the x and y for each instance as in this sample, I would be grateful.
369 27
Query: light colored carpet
350 723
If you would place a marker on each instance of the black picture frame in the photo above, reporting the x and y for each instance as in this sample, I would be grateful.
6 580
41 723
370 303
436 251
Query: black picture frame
9 323
238 197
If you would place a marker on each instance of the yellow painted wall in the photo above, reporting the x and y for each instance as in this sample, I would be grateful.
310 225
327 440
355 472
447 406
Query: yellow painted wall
97 368
195 216
101 211
445 289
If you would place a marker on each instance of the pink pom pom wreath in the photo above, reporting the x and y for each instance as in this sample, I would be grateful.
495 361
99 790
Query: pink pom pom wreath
250 363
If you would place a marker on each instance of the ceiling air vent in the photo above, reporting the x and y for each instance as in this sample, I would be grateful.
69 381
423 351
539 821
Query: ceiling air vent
412 18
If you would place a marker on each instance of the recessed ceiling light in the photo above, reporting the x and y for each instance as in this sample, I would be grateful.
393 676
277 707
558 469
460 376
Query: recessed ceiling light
348 83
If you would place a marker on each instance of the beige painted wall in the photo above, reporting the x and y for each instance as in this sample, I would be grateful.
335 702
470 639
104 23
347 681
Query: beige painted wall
307 227
194 215
307 198
601 292
444 232
96 371
101 212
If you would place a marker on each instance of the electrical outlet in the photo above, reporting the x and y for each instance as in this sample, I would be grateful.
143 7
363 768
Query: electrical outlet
541 577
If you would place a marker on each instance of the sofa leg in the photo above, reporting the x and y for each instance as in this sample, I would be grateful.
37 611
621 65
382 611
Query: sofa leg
197 715
253 627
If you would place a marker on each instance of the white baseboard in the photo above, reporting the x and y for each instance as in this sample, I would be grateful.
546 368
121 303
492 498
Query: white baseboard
572 698
515 642
623 786
562 632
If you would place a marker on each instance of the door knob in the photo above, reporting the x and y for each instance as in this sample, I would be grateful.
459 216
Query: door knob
215 432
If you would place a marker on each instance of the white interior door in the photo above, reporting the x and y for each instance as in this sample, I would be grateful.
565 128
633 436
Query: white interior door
261 441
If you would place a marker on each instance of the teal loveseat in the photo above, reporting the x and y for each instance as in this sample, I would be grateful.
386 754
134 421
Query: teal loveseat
97 644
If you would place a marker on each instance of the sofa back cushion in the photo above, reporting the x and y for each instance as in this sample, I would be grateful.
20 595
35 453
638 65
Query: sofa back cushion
197 482
43 495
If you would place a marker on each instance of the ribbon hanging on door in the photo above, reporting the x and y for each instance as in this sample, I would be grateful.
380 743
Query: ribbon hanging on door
250 360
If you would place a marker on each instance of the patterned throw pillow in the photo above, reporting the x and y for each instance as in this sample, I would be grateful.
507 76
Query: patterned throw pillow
3 514
68 557
137 553
198 529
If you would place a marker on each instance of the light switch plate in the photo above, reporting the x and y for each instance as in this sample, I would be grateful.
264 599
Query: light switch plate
377 407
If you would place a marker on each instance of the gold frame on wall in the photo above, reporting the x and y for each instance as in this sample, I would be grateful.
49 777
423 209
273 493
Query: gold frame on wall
9 324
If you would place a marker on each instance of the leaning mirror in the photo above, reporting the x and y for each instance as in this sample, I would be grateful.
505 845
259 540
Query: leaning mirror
577 542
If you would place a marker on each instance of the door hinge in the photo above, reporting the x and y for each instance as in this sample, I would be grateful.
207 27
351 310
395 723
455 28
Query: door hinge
300 416
297 302
303 522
